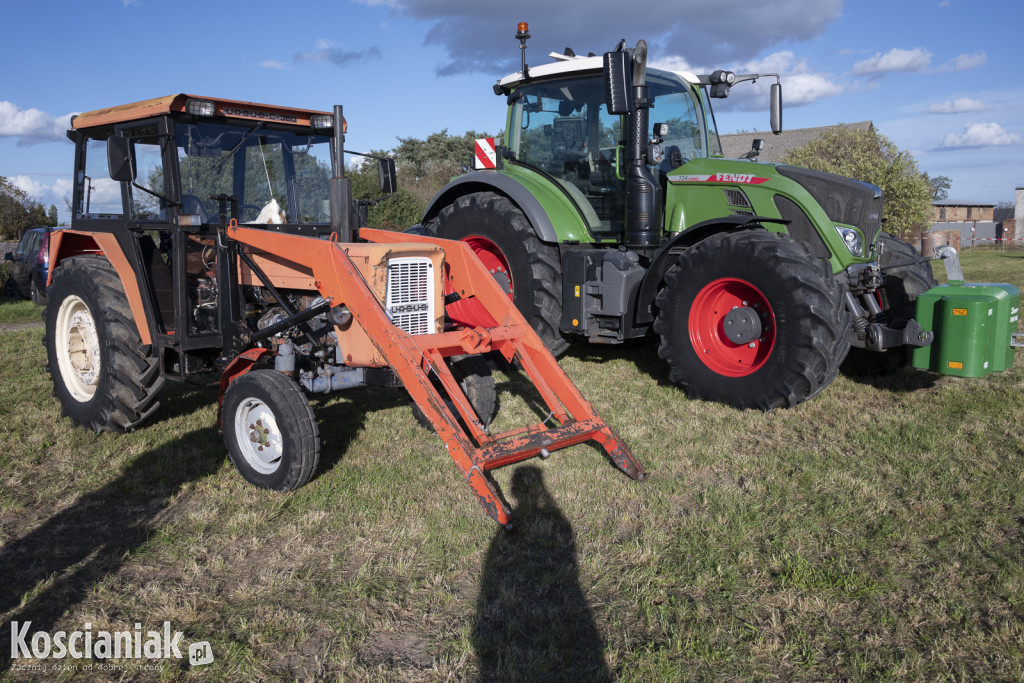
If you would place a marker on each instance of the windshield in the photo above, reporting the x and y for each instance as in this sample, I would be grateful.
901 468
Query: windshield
562 128
257 166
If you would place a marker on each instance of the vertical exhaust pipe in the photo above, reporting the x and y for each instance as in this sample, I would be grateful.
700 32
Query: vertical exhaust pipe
340 187
643 212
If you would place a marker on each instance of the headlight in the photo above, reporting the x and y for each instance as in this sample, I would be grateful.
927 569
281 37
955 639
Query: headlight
852 239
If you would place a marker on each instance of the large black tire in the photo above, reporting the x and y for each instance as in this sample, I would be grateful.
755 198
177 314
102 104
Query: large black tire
508 245
899 293
781 306
11 288
474 377
269 428
103 375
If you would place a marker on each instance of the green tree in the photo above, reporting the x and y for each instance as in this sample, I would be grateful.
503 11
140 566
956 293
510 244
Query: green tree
18 211
424 167
870 157
939 186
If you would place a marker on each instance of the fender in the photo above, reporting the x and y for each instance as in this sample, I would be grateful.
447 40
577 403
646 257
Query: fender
477 181
67 243
669 252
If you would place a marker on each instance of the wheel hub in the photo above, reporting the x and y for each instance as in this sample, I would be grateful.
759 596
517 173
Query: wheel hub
258 436
742 325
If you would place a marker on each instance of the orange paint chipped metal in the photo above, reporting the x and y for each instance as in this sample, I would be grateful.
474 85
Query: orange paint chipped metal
175 104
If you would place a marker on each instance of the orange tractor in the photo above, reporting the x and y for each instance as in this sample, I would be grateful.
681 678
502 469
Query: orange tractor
214 236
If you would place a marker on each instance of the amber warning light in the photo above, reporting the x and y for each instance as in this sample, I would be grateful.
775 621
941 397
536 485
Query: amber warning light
522 27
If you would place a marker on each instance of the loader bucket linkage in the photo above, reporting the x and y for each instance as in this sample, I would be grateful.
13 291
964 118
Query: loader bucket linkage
414 357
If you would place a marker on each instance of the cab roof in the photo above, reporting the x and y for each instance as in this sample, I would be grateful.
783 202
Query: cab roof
570 64
175 104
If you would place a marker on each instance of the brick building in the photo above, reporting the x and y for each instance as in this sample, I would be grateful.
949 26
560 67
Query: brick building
957 211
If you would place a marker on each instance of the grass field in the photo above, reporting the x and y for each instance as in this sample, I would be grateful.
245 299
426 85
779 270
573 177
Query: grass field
876 532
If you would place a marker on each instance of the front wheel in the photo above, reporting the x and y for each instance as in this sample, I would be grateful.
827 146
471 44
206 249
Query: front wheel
751 319
269 429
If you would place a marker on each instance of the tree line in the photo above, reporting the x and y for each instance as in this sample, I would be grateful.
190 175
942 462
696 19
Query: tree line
18 212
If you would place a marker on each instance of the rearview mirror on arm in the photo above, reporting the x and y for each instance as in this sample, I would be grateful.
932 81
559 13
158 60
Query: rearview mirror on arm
120 160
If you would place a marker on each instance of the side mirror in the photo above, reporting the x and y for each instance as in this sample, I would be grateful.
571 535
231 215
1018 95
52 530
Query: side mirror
120 160
776 108
8 256
387 175
618 83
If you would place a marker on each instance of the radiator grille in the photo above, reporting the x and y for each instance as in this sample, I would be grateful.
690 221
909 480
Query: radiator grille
410 295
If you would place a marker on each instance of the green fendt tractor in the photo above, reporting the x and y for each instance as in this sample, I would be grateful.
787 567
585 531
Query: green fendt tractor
608 213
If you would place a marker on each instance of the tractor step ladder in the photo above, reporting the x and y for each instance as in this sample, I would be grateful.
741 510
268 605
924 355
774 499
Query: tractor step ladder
414 358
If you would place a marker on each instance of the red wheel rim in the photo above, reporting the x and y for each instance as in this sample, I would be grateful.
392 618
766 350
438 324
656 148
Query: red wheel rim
492 258
707 327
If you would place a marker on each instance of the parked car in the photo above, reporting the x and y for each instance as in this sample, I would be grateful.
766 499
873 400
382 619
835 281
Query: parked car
30 263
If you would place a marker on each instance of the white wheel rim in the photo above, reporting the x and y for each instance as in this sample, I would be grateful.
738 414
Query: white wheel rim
258 436
77 346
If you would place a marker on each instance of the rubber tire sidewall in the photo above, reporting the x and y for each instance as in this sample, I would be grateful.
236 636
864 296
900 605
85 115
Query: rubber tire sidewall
535 267
74 278
299 431
811 324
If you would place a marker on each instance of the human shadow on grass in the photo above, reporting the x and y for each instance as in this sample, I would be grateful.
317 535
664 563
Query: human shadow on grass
51 569
533 622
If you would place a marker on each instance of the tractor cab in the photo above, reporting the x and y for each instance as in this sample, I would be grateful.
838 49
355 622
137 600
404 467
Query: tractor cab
562 129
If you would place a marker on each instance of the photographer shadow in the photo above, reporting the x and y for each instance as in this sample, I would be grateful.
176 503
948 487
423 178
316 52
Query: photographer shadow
533 622
51 569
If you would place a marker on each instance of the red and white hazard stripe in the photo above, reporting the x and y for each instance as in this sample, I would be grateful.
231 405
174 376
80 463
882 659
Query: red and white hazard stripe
484 156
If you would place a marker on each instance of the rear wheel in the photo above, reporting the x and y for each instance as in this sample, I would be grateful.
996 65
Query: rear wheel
269 428
751 319
528 270
38 298
474 378
103 375
898 300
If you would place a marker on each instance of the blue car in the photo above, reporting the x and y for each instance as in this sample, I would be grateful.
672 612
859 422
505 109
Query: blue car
30 264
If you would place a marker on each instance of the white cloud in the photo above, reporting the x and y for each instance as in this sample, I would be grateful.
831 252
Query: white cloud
673 63
965 62
274 64
53 190
479 36
960 105
31 125
945 3
976 135
800 85
326 51
896 59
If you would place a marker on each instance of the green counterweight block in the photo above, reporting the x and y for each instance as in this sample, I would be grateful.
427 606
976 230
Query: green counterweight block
973 324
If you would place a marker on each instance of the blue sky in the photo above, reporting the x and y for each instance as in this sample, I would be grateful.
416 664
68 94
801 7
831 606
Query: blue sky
941 78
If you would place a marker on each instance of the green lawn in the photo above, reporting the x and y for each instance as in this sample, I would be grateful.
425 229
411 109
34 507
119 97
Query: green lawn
874 532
